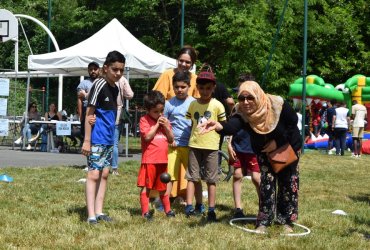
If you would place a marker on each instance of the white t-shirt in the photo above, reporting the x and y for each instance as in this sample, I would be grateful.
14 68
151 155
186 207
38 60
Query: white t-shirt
341 115
299 124
359 111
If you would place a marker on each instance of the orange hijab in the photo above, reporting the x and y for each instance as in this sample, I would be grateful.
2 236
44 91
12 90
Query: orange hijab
267 114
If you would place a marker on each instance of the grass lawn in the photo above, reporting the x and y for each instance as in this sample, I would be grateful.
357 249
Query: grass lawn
44 208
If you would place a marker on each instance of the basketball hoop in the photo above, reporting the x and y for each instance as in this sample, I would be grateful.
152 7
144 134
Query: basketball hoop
8 25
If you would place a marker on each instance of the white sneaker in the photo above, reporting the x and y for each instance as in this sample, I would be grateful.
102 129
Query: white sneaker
330 152
34 138
18 141
29 147
261 229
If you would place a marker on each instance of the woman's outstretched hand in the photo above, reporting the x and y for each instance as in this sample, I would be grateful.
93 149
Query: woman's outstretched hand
208 126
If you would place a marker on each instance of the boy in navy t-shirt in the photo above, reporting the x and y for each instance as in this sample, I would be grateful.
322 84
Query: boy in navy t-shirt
99 138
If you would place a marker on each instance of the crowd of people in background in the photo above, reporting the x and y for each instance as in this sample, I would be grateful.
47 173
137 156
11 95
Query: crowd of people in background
337 122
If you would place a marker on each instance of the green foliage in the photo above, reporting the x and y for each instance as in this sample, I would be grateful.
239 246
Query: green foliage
17 97
233 36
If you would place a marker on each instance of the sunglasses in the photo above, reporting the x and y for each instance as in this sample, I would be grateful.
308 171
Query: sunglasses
249 98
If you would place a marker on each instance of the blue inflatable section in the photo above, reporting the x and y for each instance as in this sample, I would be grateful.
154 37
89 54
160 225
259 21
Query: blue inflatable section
323 143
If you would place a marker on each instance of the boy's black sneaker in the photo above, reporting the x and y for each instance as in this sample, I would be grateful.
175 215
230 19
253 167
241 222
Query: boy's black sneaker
190 213
200 209
211 216
170 214
148 216
238 214
104 217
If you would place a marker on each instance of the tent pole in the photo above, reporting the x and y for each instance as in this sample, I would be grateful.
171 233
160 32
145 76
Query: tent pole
27 102
60 93
126 107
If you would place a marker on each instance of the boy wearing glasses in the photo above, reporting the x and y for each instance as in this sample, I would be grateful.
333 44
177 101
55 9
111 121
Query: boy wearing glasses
203 147
99 139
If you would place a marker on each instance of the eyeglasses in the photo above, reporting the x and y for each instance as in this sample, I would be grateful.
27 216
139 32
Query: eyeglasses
249 98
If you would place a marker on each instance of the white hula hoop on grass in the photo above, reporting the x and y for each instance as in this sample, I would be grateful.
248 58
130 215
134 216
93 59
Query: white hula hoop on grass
306 232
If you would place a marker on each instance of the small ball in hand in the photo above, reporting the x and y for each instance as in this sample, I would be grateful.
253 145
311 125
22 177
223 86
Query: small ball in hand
165 177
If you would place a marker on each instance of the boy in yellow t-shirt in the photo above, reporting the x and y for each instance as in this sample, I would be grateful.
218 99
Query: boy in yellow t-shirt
203 148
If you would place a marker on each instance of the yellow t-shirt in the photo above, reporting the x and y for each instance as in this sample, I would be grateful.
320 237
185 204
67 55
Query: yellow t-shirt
164 85
198 113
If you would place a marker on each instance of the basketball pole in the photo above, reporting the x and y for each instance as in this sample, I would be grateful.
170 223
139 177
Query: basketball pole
47 79
182 23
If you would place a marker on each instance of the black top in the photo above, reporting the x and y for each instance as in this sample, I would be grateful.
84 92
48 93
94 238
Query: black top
221 94
285 131
329 115
103 96
55 117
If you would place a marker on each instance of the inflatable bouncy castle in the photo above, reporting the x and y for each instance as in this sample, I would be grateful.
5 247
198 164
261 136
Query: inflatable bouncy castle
318 92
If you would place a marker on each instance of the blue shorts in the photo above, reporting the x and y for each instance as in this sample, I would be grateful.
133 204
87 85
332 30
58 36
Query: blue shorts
100 157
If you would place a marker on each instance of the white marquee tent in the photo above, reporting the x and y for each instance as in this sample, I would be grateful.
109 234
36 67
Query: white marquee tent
142 61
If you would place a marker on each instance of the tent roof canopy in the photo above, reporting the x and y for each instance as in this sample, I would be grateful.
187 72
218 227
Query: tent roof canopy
142 61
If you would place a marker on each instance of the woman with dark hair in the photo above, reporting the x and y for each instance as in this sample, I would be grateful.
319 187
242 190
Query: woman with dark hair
186 58
52 114
29 129
271 123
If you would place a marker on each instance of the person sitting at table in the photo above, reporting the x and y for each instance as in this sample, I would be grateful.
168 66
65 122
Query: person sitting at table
52 114
29 129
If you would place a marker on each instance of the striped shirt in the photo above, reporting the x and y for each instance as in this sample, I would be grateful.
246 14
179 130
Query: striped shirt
104 98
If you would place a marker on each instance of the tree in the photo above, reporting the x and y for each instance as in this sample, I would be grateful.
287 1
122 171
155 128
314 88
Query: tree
233 36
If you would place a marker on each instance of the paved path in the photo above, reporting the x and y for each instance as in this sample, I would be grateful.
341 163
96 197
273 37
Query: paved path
18 158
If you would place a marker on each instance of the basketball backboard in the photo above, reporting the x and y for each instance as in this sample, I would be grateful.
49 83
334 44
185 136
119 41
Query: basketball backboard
8 25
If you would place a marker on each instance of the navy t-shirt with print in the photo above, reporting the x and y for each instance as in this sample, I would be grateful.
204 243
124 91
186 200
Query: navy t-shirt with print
104 98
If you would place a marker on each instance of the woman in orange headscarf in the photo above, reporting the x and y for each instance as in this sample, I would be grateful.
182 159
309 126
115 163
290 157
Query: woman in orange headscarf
271 123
